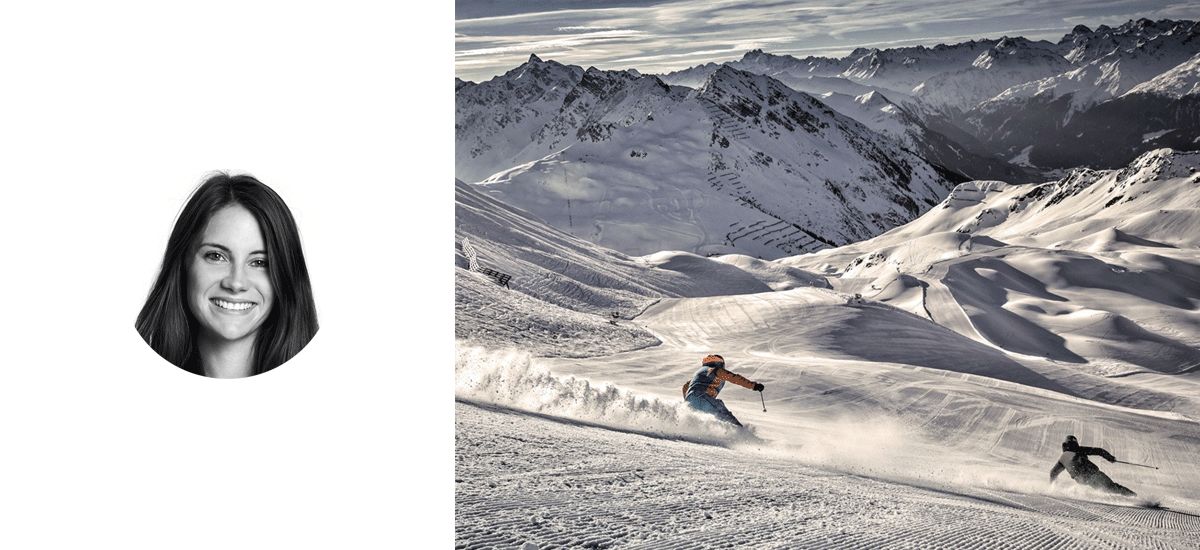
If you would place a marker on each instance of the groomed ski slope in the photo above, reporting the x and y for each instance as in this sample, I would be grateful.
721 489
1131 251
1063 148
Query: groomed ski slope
912 418
531 482
564 453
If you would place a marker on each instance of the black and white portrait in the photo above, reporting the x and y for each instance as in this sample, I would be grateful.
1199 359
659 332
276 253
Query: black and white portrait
232 298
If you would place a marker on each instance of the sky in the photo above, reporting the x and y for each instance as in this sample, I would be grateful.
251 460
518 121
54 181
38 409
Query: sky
658 36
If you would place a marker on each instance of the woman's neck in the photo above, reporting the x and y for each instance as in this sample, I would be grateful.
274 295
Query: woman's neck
226 359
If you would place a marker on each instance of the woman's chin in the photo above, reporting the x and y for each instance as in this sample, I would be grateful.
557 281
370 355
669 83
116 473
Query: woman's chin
230 335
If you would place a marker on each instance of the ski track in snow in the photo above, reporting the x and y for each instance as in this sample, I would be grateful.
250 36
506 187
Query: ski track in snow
527 482
865 456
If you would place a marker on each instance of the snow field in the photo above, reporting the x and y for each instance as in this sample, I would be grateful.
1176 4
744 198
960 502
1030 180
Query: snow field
1085 271
920 426
490 315
534 482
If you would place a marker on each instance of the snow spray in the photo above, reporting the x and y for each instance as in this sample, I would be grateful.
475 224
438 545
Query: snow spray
512 379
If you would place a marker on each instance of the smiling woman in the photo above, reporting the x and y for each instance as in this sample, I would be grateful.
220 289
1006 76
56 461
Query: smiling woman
232 298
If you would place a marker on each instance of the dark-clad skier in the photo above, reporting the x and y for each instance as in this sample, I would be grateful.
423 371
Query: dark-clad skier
701 391
1074 460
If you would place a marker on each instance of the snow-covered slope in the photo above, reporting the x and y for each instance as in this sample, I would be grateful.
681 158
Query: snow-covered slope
928 411
743 165
1010 62
880 114
893 113
1100 269
1012 97
565 290
903 69
879 428
1103 79
1078 117
877 112
1182 80
1108 63
1083 45
784 68
494 121
529 481
543 106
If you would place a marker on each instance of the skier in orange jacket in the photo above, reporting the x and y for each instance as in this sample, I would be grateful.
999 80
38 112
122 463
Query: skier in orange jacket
701 391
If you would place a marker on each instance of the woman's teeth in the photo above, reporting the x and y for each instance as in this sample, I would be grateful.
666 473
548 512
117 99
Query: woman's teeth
235 306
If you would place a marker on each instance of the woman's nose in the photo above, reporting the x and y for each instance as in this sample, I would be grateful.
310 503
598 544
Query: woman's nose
235 279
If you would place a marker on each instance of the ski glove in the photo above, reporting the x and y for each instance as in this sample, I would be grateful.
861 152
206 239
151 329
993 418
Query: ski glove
758 387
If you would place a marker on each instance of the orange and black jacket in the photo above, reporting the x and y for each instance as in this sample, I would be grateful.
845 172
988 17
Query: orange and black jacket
710 380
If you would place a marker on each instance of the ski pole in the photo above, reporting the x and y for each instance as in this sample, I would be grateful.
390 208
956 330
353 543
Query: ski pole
764 402
1136 464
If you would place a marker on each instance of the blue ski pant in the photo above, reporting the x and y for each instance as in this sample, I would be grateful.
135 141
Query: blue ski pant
713 406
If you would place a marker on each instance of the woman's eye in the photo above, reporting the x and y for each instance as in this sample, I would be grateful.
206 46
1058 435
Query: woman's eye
258 262
213 256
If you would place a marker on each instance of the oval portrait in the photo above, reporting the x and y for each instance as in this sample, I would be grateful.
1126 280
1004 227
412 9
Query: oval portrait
232 298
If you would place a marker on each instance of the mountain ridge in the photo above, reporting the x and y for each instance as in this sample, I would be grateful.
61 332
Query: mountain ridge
751 166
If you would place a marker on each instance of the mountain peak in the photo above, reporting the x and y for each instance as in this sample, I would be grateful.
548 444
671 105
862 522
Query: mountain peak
719 78
1160 164
871 98
1180 81
727 71
545 70
1081 29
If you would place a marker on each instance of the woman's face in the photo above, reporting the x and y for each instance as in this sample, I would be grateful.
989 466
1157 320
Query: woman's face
229 291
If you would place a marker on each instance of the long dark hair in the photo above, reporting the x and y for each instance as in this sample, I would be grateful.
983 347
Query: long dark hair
166 322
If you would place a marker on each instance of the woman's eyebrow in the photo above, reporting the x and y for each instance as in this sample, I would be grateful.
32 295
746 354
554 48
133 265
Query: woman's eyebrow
226 248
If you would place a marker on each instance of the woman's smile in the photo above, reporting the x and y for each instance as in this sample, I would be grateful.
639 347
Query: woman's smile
233 306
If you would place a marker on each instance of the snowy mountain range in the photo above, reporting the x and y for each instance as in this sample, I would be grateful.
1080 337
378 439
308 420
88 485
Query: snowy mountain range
1018 97
742 163
772 155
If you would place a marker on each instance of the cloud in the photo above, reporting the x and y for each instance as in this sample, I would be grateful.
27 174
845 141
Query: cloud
673 56
542 44
584 29
668 35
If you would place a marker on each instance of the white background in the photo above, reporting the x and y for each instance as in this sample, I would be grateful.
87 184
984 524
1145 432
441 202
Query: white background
110 115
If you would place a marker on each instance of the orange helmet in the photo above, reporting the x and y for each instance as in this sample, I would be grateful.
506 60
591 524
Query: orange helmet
713 360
